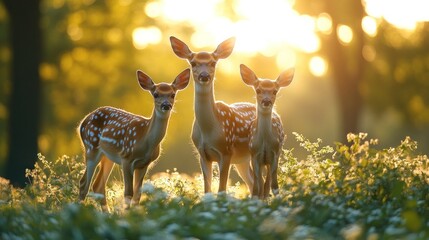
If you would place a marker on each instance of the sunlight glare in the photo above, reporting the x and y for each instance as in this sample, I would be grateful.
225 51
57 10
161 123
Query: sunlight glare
285 59
404 14
318 66
259 27
142 37
345 34
192 11
213 33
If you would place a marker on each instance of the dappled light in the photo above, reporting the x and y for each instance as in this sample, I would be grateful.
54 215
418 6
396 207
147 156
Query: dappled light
359 66
93 50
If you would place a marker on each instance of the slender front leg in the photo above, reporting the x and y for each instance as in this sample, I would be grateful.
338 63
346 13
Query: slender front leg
258 183
224 167
139 174
128 181
267 184
206 168
274 182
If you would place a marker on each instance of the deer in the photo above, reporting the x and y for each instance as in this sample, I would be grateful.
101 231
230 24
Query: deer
266 131
109 135
220 131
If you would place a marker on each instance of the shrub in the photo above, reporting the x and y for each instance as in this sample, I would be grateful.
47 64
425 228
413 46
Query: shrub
350 191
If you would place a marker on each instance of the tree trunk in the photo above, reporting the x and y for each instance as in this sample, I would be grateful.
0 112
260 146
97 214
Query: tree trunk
347 64
24 102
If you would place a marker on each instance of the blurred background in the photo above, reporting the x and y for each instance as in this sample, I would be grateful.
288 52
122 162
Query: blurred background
360 66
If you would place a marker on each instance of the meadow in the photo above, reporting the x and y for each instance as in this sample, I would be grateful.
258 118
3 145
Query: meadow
352 190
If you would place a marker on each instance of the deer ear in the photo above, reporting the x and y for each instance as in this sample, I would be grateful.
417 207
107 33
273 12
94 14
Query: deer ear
180 48
224 49
248 76
145 81
182 80
285 77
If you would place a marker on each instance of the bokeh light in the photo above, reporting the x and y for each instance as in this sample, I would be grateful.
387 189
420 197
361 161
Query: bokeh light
318 66
345 34
142 37
324 23
369 26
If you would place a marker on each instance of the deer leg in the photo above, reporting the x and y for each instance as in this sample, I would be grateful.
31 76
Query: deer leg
245 172
128 182
274 181
99 185
258 180
207 169
224 167
267 184
139 174
92 161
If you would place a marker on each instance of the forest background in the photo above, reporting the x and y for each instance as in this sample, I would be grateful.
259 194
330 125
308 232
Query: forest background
360 67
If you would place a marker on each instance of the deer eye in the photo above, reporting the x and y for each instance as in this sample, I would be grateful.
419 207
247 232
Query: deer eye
275 92
155 95
212 64
173 95
258 91
193 64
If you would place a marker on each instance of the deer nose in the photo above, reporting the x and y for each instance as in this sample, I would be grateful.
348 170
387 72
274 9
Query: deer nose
266 102
204 77
166 106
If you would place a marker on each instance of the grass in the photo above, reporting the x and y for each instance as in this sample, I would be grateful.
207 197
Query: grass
349 191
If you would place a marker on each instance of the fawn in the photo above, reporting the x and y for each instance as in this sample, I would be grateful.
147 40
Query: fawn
110 135
266 134
220 131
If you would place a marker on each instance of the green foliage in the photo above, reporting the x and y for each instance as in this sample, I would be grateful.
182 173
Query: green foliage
379 191
397 78
354 191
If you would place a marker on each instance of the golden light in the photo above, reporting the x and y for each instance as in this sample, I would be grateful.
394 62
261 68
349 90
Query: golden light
142 37
324 23
286 58
318 66
193 11
404 14
369 26
153 9
260 27
345 34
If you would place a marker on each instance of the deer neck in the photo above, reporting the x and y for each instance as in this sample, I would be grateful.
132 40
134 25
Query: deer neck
205 107
158 126
264 123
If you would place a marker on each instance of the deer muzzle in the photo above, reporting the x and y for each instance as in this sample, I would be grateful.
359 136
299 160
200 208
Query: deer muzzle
204 77
166 106
266 102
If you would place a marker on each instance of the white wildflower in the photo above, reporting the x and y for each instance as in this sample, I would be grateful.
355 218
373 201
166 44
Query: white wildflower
148 188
